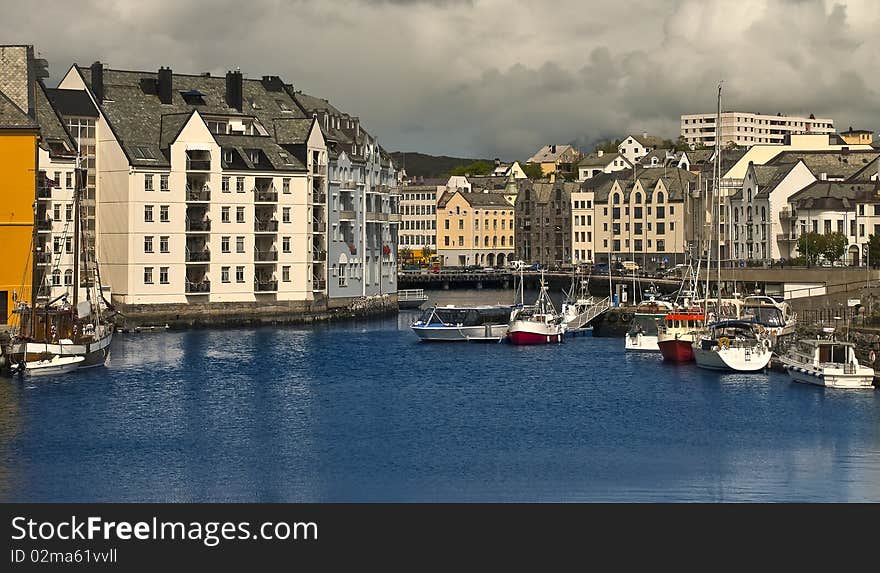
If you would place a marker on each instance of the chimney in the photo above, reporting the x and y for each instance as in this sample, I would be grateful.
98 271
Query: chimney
497 162
553 148
272 83
234 88
98 81
823 176
163 86
645 134
600 153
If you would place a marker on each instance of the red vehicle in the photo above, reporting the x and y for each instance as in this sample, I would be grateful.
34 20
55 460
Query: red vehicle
677 333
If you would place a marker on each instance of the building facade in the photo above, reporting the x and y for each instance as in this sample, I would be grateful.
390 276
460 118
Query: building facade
745 129
204 186
544 223
418 218
475 229
601 162
553 158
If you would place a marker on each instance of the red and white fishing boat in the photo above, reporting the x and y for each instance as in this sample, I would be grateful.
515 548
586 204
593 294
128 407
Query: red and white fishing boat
677 334
536 324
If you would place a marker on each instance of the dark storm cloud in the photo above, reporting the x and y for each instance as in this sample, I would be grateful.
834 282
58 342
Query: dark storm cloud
492 77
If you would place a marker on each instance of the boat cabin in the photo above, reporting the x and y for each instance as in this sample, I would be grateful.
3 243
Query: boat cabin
459 316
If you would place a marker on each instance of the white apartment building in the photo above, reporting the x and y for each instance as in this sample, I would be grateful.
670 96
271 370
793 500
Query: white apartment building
205 186
582 213
601 162
418 214
745 129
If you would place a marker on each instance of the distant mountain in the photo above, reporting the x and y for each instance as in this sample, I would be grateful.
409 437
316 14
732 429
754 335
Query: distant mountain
429 166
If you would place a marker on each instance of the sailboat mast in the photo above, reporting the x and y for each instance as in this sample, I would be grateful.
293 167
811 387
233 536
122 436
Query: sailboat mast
76 233
718 190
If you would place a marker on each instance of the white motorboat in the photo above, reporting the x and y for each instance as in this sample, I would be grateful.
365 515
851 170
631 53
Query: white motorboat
642 335
733 345
537 324
774 314
826 362
459 324
52 366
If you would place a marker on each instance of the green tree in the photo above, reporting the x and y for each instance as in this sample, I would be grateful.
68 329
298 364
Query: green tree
474 168
404 255
681 144
532 170
873 254
426 254
835 246
810 246
608 146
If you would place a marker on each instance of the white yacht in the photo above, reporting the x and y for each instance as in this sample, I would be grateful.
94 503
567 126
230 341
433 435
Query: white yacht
733 345
458 324
774 314
642 335
826 362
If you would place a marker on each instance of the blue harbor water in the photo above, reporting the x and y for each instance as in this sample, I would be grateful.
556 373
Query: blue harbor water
360 411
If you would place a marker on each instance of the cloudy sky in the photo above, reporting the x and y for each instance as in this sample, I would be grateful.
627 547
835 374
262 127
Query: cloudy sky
493 78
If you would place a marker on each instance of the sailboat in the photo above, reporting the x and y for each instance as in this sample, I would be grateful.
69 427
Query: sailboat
680 328
65 333
537 324
730 345
579 307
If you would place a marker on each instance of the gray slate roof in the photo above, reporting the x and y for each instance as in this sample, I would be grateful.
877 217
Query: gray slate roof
12 117
138 117
835 195
675 180
53 132
835 164
593 160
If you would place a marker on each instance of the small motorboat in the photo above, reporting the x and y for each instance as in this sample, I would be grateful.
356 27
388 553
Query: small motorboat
677 334
536 324
52 366
827 362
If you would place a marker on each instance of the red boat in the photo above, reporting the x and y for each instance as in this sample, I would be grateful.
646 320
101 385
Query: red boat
538 324
675 337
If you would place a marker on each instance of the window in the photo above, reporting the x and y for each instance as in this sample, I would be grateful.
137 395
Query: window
446 224
148 244
163 214
224 244
285 274
285 244
224 214
239 184
460 241
56 212
285 185
224 185
224 274
68 245
661 212
446 241
163 275
661 228
56 277
342 276
163 183
148 275
68 212
285 215
239 244
461 223
661 245
69 180
148 182
239 274
239 214
68 277
148 213
163 244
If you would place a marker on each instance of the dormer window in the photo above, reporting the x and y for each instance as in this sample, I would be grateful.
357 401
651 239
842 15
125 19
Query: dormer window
193 97
254 155
141 152
283 106
227 156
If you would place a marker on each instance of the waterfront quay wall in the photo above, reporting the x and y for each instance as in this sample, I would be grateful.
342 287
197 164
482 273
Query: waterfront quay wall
135 317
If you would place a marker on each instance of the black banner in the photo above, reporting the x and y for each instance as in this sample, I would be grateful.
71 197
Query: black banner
133 536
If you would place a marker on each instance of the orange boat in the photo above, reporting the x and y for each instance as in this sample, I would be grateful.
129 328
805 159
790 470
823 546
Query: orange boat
677 333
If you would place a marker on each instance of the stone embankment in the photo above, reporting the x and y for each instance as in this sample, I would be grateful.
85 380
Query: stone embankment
134 318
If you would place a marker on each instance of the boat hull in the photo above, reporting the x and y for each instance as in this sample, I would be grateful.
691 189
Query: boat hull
54 366
676 350
641 343
527 332
458 333
832 378
732 359
94 353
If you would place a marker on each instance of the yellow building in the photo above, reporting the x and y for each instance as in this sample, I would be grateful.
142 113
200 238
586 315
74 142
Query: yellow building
474 229
18 159
857 136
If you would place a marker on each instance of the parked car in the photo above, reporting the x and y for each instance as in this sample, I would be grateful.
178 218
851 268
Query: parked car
630 266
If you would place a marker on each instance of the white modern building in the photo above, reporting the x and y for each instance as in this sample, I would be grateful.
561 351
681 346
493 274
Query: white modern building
205 186
745 129
418 217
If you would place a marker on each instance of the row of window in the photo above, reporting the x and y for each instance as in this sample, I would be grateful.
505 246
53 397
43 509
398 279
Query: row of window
418 239
504 222
225 274
420 224
419 209
637 245
638 229
225 183
224 244
637 213
494 240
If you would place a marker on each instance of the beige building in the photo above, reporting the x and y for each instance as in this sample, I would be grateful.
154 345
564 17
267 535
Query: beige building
475 229
745 129
418 217
857 136
553 158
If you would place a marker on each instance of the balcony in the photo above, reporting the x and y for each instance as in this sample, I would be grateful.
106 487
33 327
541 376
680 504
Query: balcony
265 256
319 198
44 225
394 218
319 284
267 195
198 226
346 216
784 238
201 287
319 170
43 258
349 184
319 255
265 286
198 256
376 216
44 193
198 195
787 213
319 227
265 226
198 164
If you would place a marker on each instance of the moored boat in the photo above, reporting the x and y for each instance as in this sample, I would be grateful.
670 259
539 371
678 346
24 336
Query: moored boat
537 324
458 323
826 362
677 333
642 335
51 366
733 345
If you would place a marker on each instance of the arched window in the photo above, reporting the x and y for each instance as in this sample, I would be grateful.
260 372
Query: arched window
638 197
68 277
486 241
495 241
458 210
750 196
502 240
56 277
763 214
660 197
616 199
736 215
